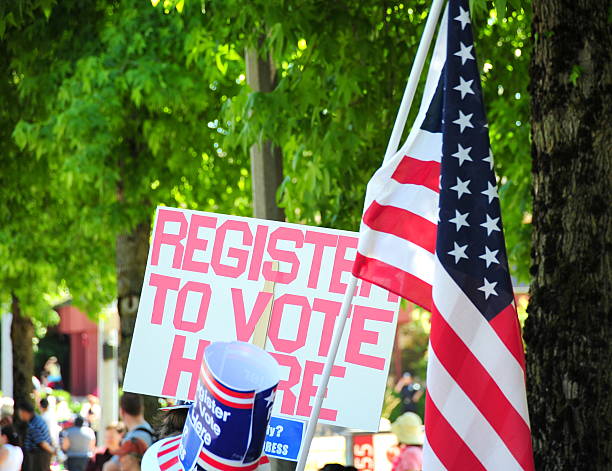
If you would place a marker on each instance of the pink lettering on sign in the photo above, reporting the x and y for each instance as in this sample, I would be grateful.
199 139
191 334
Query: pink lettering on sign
283 233
163 284
178 364
285 385
240 255
258 252
320 240
341 263
331 310
359 335
195 243
163 238
287 345
198 324
244 329
309 390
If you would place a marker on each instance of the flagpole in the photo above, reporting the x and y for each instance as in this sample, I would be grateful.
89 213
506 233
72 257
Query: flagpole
413 79
329 363
396 134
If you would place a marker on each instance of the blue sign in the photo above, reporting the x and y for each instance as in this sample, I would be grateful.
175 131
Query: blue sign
284 438
191 443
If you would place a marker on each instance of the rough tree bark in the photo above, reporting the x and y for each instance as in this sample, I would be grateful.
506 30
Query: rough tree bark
22 332
266 158
131 258
569 330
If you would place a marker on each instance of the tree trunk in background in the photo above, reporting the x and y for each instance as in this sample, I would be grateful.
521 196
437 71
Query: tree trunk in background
266 158
131 252
569 330
22 332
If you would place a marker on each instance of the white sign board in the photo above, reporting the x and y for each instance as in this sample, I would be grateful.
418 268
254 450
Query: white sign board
204 282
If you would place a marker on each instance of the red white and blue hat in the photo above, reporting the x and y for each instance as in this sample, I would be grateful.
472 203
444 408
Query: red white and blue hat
180 404
226 425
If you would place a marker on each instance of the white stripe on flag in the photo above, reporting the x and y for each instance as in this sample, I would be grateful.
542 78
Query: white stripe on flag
465 418
478 335
425 146
397 252
417 199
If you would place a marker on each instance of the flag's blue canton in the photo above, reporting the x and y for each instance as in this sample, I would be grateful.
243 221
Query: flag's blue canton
470 241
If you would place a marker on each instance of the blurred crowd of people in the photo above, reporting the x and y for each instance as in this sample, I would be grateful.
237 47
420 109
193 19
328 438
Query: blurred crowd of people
47 436
40 437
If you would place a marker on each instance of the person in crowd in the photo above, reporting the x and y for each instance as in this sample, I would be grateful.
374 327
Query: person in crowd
410 392
11 455
130 454
53 376
408 428
47 412
6 411
91 411
131 410
333 467
113 434
37 443
79 443
173 419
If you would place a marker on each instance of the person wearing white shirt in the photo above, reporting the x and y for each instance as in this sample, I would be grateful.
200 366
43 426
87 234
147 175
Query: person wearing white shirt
11 455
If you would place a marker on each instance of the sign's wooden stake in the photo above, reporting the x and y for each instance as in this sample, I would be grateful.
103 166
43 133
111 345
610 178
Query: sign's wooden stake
260 333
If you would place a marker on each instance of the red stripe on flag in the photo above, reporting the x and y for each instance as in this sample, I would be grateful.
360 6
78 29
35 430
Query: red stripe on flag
507 328
397 281
403 224
483 391
418 172
168 464
448 446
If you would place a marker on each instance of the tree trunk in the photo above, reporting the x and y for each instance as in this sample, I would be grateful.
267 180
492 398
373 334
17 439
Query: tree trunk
131 253
22 332
266 158
568 330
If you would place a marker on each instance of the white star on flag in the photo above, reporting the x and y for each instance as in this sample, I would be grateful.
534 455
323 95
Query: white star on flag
462 154
489 256
461 187
489 158
488 288
490 225
463 18
460 220
458 252
464 87
464 52
491 191
464 121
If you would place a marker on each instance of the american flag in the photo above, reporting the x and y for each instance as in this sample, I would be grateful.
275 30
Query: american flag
432 233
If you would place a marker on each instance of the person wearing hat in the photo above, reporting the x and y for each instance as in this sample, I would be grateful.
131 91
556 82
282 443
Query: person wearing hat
173 420
408 428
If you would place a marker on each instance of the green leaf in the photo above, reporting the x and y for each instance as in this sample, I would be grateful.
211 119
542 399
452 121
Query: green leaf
500 7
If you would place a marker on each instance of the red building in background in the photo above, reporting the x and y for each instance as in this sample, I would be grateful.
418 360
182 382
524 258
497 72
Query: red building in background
82 377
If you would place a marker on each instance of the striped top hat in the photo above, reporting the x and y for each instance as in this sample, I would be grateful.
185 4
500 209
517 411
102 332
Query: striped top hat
226 425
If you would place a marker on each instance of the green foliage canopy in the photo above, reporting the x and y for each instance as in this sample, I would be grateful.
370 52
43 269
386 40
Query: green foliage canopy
342 68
